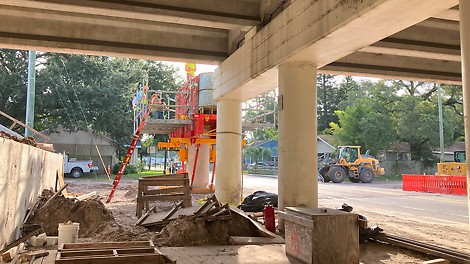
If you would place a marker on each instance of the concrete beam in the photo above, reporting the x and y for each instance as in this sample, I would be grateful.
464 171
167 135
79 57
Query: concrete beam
320 32
430 40
450 14
55 31
223 14
396 67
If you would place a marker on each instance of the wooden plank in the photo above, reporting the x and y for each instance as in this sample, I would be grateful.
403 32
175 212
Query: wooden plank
106 245
173 211
261 229
238 240
163 176
161 217
142 219
140 203
36 255
24 125
55 195
163 182
179 190
20 240
86 196
163 197
437 261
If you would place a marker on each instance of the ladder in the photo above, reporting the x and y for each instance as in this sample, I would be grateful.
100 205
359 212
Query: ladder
130 150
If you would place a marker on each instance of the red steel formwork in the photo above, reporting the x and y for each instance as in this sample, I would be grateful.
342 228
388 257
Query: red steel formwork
435 184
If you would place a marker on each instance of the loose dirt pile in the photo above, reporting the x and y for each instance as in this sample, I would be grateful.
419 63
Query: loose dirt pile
27 140
189 231
95 220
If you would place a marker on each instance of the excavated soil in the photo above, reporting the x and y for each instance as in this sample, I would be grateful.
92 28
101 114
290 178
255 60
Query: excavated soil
196 232
27 140
185 232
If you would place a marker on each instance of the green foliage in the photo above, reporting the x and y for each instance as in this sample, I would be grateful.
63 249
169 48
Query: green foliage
130 169
263 109
81 92
256 153
385 112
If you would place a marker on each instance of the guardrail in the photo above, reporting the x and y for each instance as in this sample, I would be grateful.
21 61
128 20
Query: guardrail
435 184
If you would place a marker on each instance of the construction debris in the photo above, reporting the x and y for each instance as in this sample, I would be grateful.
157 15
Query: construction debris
211 210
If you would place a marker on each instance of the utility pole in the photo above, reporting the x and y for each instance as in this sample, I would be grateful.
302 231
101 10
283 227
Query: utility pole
441 125
31 92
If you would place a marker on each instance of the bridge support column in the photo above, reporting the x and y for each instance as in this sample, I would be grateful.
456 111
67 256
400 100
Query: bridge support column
228 182
465 49
297 181
201 177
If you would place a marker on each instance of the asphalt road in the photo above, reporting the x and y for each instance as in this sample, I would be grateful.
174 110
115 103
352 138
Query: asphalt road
380 197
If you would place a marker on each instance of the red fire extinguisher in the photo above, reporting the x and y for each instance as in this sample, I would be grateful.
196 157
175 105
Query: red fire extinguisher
269 220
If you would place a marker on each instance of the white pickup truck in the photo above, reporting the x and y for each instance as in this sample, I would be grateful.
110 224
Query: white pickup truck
76 167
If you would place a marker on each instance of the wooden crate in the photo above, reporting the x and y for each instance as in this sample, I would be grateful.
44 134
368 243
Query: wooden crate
111 253
171 187
320 235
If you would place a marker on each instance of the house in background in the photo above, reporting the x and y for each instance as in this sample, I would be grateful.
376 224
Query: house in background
323 147
449 151
399 151
82 146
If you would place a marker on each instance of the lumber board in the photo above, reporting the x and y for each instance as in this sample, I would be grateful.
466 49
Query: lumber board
179 190
239 240
169 182
20 240
86 196
261 229
55 195
173 176
162 217
142 218
163 197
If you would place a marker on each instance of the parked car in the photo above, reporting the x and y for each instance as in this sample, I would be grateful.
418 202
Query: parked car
76 167
259 165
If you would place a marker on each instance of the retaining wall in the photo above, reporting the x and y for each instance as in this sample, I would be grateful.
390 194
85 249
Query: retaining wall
24 172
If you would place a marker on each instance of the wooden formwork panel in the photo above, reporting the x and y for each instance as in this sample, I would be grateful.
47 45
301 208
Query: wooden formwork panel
111 253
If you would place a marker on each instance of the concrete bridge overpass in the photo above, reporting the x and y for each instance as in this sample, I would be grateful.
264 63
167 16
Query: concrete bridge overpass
259 45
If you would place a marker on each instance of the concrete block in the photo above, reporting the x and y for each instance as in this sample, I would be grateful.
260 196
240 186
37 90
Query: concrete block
38 241
51 240
437 261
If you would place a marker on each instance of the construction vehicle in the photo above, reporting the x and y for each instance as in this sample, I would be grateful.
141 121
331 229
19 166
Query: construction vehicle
350 163
458 167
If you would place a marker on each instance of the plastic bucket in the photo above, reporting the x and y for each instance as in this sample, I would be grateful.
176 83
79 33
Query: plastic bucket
68 233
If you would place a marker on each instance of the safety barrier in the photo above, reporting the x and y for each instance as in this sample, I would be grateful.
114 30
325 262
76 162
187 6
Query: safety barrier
435 184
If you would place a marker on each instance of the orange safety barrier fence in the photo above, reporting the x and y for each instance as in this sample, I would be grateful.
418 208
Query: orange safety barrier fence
435 184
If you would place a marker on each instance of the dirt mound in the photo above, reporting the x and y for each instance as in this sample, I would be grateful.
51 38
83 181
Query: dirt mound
187 231
132 192
26 140
90 214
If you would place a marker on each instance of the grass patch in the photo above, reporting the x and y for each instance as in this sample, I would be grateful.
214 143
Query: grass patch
388 177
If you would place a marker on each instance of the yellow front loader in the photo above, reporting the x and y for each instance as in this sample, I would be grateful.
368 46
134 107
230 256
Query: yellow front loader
351 164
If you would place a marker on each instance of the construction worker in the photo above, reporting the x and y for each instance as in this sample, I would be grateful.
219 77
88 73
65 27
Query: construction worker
158 109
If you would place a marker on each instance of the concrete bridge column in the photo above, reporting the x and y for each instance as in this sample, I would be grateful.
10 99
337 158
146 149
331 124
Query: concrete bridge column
297 182
228 182
201 177
465 49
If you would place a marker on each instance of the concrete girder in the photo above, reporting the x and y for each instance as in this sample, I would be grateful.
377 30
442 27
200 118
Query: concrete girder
223 14
320 32
396 67
97 35
450 14
430 40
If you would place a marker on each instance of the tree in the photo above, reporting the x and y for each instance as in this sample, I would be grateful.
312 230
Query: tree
263 109
257 153
82 92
